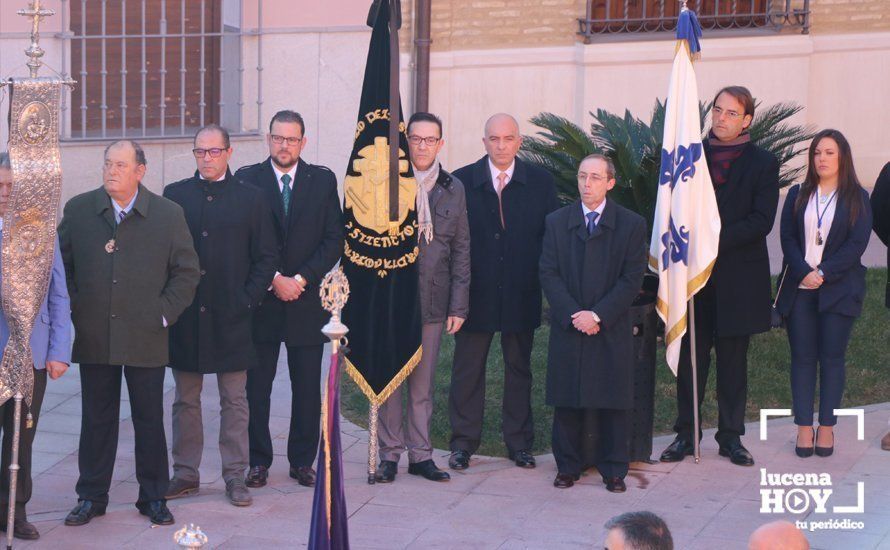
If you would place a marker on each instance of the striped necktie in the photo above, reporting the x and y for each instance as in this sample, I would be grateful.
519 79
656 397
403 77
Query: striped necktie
591 221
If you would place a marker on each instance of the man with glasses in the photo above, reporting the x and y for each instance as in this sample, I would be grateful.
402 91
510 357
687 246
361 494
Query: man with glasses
444 241
592 265
507 201
131 270
736 301
232 232
308 228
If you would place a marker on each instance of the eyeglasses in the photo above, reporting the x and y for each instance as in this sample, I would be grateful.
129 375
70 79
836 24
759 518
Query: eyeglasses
201 153
429 141
281 139
596 178
718 112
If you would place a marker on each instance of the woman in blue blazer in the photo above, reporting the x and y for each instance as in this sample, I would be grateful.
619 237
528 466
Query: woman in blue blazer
826 224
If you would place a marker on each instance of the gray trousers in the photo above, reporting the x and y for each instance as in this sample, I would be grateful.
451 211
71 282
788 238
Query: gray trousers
188 427
393 437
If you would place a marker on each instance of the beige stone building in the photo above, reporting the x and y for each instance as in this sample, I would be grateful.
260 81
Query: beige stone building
155 70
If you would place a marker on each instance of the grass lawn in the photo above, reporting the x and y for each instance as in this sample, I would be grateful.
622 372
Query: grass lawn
868 379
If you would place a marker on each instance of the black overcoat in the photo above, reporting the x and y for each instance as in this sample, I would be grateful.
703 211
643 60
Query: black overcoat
601 272
880 207
747 203
232 232
309 241
505 293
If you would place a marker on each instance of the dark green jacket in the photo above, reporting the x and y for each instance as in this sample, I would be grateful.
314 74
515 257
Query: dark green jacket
118 300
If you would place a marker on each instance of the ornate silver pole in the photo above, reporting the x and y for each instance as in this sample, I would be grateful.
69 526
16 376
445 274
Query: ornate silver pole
29 230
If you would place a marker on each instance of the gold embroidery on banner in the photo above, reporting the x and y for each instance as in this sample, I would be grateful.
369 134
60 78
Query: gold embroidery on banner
368 193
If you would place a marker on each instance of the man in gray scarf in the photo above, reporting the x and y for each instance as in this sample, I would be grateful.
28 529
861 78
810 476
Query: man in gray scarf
444 241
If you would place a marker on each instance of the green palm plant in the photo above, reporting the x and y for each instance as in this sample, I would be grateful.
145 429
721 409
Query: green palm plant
634 146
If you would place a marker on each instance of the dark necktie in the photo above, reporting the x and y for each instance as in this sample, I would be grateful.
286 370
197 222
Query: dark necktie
285 192
121 216
591 222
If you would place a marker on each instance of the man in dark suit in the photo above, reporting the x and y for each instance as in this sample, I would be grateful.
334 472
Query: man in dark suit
735 303
444 280
880 207
507 201
232 231
131 270
309 231
592 265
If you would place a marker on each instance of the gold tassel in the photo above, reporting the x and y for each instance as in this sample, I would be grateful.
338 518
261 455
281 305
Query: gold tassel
397 380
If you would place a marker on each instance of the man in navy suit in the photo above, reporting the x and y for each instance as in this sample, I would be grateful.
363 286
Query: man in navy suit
51 349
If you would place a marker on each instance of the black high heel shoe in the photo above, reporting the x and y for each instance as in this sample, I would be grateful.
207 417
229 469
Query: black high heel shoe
826 451
804 452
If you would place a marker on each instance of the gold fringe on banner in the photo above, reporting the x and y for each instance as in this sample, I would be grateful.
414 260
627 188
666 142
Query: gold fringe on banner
393 385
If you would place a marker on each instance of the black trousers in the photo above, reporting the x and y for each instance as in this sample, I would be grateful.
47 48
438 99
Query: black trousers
304 364
817 339
24 484
99 423
466 400
732 376
568 434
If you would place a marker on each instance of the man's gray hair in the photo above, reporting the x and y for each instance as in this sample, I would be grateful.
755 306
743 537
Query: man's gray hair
4 160
642 531
140 154
610 166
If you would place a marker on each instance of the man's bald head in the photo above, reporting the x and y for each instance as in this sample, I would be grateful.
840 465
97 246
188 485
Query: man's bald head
501 122
778 535
502 140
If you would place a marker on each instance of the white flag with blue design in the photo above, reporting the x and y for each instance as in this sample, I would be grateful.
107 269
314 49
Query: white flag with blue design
686 228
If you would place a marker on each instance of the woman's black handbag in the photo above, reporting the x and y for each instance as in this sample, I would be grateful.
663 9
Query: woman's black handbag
777 320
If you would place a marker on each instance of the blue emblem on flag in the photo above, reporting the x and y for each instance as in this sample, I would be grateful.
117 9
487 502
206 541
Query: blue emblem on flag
680 164
676 245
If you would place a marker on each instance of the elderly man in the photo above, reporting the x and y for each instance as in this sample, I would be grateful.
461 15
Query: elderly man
232 232
131 271
444 242
507 201
51 350
778 535
591 269
308 227
637 531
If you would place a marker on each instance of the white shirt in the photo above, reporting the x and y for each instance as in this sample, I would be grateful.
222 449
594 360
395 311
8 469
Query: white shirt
221 178
495 172
598 210
126 210
292 173
812 249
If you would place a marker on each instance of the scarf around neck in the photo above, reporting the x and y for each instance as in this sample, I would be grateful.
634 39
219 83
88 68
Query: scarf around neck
426 181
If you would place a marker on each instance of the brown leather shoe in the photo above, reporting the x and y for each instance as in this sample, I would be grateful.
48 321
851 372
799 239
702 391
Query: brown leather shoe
304 475
179 488
564 481
237 492
23 529
615 485
257 476
885 442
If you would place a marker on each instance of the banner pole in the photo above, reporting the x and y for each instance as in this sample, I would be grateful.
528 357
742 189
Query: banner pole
372 444
14 469
696 421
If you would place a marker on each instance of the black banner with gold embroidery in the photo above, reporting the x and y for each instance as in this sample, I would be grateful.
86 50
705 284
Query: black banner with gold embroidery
380 255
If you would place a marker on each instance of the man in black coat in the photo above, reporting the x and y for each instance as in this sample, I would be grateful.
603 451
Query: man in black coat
880 207
232 232
507 201
735 303
592 266
308 226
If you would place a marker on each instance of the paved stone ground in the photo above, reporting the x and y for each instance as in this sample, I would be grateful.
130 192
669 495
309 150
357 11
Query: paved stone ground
492 505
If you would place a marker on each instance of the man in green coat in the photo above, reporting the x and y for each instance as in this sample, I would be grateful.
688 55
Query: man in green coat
131 270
